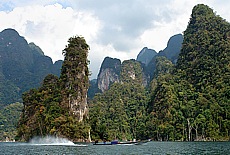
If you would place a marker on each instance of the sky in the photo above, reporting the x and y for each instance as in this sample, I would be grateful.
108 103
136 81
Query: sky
118 29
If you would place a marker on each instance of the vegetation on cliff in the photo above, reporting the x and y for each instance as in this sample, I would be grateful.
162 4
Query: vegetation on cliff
193 102
9 116
188 101
59 106
120 112
74 80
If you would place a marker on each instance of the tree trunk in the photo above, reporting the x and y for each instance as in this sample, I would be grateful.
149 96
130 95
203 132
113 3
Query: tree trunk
196 134
189 130
183 133
89 137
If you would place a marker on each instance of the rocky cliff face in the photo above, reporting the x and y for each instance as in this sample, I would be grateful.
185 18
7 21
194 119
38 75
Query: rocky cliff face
131 71
78 99
74 77
113 71
109 73
106 78
142 69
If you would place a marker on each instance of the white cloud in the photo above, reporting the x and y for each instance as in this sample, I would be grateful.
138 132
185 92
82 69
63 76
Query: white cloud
173 20
50 26
118 29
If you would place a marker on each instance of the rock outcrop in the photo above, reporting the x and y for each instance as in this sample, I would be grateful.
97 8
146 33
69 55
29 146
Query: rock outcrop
109 73
131 72
74 77
142 68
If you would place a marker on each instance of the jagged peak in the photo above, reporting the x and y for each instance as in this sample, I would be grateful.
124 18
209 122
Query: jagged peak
146 49
109 62
146 55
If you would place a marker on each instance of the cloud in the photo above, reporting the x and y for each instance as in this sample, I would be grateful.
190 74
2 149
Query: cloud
112 28
128 26
122 21
50 26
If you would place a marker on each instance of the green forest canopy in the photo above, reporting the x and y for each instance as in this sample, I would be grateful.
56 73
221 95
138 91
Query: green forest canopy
58 107
187 101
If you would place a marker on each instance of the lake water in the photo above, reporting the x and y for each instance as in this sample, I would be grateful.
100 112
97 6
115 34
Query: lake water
150 148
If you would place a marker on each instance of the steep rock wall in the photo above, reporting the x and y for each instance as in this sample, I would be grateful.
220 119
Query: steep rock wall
109 73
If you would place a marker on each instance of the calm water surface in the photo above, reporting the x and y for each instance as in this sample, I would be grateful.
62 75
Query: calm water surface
150 148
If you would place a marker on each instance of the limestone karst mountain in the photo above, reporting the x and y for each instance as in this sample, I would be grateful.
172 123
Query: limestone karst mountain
111 67
146 55
22 66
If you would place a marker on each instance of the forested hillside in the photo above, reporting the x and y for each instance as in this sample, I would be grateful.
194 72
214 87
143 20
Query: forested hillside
187 97
120 112
22 66
193 103
9 116
187 101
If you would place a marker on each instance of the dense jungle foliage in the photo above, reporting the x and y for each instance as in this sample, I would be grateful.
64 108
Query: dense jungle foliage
48 110
9 116
188 101
120 112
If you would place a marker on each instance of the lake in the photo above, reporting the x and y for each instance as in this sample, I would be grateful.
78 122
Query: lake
150 148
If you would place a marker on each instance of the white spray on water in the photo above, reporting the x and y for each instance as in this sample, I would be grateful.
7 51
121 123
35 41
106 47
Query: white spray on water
50 140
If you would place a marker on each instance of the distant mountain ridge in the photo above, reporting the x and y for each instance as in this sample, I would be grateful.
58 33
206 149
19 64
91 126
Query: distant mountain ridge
171 52
146 55
186 98
22 66
173 48
31 66
111 67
